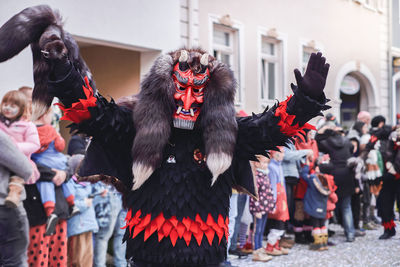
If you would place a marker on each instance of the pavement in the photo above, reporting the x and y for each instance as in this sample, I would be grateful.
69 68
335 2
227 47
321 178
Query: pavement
365 251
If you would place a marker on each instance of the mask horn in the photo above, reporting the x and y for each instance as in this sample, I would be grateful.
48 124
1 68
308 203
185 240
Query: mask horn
204 62
183 58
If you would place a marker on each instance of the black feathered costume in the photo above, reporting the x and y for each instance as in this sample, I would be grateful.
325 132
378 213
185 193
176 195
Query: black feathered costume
178 194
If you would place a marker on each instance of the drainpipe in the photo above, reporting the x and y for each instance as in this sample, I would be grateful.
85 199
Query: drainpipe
392 87
190 23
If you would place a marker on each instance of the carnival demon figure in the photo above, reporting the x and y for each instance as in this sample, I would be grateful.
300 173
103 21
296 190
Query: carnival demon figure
176 149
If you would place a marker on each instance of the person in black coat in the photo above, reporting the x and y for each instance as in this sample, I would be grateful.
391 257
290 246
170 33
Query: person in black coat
78 144
330 140
389 142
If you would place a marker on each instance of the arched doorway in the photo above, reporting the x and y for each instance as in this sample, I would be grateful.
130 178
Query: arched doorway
353 98
356 90
395 96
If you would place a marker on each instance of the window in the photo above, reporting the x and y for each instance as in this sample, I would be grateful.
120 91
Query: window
307 51
372 5
271 62
380 5
226 49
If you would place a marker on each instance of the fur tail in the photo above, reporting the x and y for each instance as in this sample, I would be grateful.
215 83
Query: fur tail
24 28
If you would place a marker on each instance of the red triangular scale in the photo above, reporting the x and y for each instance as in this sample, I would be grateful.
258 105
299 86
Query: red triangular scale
210 235
198 236
180 229
187 236
187 222
174 221
159 221
194 227
173 236
166 228
160 236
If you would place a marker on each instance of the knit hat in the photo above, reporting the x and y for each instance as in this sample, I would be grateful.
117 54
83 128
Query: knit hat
376 120
358 125
74 162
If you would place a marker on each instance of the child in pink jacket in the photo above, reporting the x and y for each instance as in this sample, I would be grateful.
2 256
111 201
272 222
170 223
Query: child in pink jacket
25 136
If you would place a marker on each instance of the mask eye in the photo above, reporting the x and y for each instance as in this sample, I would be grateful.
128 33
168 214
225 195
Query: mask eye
198 90
180 88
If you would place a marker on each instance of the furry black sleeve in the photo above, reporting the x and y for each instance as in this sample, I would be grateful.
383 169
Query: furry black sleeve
304 107
108 157
92 114
278 125
108 123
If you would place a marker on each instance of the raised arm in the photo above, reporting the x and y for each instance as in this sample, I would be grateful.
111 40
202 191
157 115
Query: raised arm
91 113
287 119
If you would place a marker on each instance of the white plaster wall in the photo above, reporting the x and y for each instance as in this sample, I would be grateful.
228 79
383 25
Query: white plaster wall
346 31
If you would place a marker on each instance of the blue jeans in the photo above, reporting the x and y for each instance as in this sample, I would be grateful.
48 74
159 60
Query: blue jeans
101 238
260 227
344 204
14 237
241 202
232 215
48 193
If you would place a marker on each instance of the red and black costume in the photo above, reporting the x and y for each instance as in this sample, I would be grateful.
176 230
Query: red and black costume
176 149
389 148
176 216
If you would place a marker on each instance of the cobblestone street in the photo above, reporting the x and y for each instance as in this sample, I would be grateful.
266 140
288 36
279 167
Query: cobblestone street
365 251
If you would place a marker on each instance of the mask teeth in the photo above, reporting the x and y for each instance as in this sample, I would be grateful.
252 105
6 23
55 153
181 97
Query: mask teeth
183 124
179 110
191 112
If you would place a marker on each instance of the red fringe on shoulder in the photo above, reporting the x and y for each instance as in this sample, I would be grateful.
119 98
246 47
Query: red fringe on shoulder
78 111
286 121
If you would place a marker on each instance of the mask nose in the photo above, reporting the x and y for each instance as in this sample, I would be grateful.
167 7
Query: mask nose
188 98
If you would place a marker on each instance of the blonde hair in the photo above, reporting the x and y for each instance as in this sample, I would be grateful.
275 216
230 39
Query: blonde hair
25 89
15 97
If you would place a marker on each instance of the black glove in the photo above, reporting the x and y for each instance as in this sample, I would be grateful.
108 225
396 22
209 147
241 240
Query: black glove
313 81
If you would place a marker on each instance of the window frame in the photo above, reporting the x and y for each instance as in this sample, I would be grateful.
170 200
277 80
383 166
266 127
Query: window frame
281 84
276 59
237 30
311 45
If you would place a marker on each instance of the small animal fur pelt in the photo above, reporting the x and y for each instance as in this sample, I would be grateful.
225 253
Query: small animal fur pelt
40 27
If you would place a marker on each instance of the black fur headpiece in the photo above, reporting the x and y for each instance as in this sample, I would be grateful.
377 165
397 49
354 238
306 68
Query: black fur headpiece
154 109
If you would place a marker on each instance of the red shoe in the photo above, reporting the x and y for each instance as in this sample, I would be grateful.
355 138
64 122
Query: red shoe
271 250
247 248
283 250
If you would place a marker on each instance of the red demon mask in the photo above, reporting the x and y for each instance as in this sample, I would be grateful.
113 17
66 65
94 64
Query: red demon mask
189 91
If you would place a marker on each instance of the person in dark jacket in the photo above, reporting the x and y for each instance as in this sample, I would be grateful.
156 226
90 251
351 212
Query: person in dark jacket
78 144
13 221
391 182
331 141
315 204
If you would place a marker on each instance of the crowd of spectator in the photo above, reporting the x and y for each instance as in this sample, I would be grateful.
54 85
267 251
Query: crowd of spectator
333 175
47 216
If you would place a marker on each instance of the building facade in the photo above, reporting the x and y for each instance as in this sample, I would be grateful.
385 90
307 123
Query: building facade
262 40
265 40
